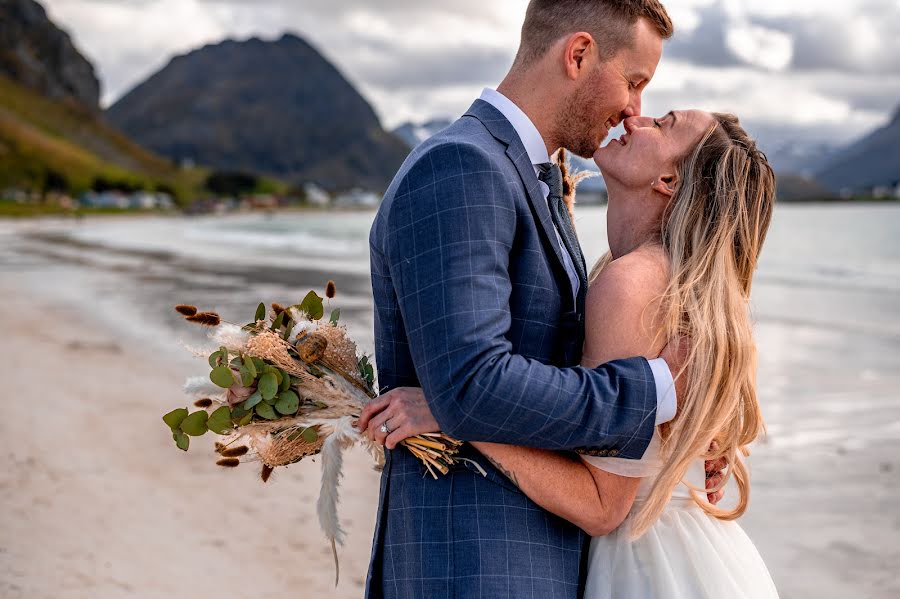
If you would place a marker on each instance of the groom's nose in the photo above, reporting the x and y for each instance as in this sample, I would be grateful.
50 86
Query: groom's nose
634 104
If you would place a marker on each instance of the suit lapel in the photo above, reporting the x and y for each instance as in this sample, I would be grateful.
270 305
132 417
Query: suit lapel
503 131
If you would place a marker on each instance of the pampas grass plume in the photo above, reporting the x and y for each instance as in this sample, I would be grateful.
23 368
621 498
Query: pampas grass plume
231 336
203 403
186 310
330 290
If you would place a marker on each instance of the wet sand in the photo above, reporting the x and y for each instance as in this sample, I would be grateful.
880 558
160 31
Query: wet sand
97 502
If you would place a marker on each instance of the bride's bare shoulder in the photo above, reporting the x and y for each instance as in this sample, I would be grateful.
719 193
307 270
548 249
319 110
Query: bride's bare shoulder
623 307
644 272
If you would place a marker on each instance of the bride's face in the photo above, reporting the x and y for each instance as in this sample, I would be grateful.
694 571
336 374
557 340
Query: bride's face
651 147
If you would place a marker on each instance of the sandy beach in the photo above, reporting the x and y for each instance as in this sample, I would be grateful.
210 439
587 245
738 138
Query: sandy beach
97 502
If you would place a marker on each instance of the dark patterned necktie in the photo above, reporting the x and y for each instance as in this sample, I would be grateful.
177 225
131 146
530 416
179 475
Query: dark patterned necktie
552 175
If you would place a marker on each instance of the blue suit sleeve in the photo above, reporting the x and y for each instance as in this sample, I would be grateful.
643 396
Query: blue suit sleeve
448 237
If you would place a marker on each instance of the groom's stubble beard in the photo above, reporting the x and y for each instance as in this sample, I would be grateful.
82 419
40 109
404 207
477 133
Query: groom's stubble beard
579 124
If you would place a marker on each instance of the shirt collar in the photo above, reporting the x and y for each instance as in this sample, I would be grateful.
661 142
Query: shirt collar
525 129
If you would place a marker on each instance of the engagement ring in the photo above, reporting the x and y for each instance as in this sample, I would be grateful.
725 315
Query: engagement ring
384 428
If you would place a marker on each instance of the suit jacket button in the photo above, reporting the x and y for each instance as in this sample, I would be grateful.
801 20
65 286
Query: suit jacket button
601 453
613 453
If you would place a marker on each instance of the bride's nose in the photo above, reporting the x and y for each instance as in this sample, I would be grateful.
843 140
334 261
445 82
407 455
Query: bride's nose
636 122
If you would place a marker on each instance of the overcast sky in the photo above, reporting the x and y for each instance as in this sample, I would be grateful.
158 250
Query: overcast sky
810 69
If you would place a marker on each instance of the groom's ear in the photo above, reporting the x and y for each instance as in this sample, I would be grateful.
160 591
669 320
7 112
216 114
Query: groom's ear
578 48
666 185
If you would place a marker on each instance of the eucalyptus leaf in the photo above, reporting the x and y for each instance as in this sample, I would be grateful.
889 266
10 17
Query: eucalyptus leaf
238 412
266 411
174 418
214 359
260 311
288 403
312 305
247 377
285 382
335 315
222 376
271 401
182 441
251 401
246 419
310 435
279 375
195 424
268 385
250 366
220 420
259 364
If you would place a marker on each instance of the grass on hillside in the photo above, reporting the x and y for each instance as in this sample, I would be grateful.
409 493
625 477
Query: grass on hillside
39 135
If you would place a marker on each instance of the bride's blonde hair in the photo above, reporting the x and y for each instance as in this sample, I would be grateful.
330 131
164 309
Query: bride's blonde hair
712 232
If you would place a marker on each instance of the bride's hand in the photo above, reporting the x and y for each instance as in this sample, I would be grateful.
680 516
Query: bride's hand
404 411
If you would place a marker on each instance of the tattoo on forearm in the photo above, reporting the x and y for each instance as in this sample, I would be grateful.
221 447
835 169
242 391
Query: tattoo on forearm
507 473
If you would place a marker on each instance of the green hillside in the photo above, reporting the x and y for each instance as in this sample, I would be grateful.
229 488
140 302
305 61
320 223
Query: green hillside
47 141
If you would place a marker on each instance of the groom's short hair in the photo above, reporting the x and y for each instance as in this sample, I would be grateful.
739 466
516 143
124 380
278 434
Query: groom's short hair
610 22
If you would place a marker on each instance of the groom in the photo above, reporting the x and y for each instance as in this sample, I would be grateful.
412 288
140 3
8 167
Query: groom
479 286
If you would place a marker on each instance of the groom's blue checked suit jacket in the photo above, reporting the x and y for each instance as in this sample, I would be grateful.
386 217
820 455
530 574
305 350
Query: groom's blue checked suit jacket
473 304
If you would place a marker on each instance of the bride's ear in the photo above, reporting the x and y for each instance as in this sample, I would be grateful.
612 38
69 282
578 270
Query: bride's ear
666 185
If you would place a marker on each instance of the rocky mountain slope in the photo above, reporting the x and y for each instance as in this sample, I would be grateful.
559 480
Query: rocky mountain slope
269 107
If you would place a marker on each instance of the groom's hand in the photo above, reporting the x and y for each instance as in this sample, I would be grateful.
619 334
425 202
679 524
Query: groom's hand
405 412
715 473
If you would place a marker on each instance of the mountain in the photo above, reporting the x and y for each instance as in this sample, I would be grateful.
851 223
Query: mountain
802 158
52 133
413 134
872 161
794 187
270 107
40 56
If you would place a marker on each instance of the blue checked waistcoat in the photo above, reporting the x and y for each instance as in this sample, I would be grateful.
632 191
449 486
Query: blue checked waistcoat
473 304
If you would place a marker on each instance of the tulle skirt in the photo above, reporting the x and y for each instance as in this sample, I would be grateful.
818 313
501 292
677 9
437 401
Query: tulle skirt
686 554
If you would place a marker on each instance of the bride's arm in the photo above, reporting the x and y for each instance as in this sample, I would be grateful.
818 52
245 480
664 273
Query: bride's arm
622 305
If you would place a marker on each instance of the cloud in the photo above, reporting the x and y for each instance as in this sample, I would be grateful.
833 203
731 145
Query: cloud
829 69
852 37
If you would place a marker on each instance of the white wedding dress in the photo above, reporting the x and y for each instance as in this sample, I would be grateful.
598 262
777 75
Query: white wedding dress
686 554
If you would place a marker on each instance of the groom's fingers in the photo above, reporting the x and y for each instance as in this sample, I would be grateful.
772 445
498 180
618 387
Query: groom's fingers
716 465
716 497
375 433
399 425
396 436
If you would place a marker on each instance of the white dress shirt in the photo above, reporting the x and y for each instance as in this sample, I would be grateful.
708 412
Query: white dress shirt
666 405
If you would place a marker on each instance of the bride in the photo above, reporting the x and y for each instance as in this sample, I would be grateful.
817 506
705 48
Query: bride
690 201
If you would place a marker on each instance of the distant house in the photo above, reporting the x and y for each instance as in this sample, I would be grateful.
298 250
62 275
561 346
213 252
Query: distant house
356 198
315 195
139 200
105 199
